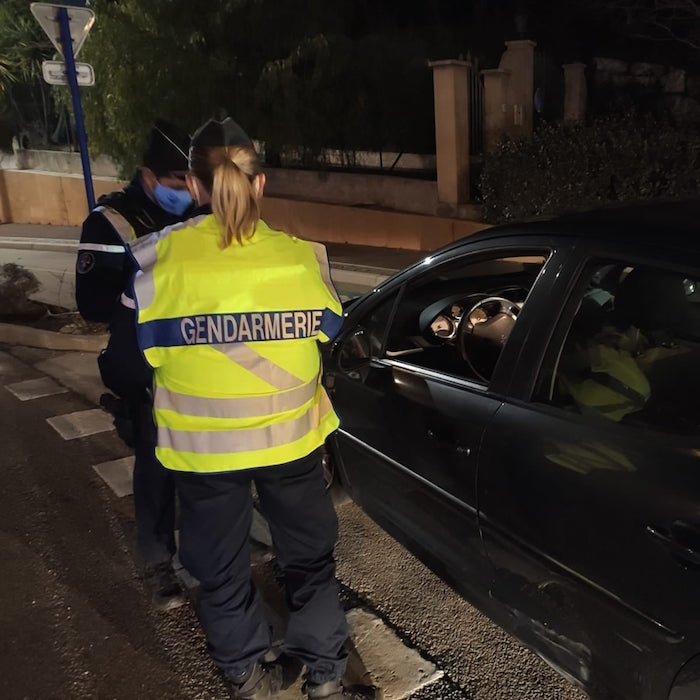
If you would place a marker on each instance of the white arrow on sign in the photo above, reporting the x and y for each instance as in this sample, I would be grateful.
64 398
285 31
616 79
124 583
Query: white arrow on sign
54 73
80 19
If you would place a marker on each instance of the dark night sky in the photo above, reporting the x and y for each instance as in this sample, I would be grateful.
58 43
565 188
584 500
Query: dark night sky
569 29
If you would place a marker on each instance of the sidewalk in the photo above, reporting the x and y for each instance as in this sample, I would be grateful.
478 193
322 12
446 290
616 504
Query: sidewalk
50 253
66 237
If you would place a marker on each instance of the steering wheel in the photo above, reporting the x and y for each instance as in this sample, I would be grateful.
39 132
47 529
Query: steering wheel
483 331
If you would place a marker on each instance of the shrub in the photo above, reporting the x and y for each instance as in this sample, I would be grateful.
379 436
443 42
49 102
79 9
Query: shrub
573 167
16 284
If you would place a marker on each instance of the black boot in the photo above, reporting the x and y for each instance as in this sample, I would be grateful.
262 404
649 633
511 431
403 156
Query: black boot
164 587
334 690
258 683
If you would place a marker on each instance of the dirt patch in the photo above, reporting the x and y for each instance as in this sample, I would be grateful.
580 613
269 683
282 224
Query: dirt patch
53 318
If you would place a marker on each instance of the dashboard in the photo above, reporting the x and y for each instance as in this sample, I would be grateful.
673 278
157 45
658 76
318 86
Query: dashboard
444 325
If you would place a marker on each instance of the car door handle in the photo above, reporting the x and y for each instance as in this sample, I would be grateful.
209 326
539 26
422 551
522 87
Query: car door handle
681 551
458 447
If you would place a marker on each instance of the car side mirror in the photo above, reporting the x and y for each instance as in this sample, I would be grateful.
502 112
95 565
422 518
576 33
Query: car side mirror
354 351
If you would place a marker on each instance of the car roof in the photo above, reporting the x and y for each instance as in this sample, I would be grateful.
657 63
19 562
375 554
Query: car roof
668 223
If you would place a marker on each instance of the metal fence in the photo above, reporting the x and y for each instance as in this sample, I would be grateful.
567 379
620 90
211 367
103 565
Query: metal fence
476 108
549 88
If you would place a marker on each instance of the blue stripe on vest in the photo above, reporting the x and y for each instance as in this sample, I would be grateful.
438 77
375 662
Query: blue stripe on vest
330 323
214 329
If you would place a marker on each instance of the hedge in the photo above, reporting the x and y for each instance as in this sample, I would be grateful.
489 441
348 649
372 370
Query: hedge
566 167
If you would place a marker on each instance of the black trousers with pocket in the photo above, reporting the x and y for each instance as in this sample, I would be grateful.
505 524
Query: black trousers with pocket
215 519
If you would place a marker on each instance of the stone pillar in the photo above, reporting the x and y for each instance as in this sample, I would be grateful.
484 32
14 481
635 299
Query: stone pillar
451 93
575 92
495 106
519 60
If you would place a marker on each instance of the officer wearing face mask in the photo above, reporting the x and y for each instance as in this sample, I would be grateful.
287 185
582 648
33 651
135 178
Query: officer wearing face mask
156 197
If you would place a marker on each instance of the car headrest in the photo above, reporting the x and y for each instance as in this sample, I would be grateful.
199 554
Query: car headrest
652 301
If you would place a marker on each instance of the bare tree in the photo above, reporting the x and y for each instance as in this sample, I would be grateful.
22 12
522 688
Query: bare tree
659 20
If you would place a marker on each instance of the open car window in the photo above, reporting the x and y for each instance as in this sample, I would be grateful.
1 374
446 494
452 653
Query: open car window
631 354
457 319
367 338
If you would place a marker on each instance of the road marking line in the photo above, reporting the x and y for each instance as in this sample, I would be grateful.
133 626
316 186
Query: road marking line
118 475
390 665
81 423
35 388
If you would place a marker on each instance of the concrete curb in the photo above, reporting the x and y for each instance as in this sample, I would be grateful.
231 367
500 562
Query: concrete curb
52 245
13 334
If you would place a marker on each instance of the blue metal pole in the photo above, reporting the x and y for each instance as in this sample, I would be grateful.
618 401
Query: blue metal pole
68 57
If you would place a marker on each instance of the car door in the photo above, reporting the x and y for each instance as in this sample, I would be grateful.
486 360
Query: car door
413 412
590 517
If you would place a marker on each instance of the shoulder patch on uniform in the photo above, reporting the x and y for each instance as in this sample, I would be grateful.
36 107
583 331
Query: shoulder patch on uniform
86 261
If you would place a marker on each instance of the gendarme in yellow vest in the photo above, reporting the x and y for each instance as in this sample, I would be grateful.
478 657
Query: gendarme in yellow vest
232 336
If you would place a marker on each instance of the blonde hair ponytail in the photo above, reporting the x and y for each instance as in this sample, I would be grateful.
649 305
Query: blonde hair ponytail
234 200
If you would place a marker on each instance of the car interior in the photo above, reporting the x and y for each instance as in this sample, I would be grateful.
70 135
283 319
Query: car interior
458 321
651 318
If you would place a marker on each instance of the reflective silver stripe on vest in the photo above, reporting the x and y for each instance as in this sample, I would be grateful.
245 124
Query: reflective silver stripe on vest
236 441
146 255
245 356
322 260
118 223
102 248
238 407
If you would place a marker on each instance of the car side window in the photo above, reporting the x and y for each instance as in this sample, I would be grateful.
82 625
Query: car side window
457 319
632 352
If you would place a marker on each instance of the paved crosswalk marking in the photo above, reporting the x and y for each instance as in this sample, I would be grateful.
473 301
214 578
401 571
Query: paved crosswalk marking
35 388
392 666
81 423
118 475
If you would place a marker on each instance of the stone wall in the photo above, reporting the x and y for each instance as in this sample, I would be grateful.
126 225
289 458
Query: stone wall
65 162
662 87
33 197
393 192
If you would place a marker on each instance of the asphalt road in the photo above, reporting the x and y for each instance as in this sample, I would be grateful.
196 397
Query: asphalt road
480 661
75 617
76 620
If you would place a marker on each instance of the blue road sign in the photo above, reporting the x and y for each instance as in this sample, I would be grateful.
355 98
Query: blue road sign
51 16
67 43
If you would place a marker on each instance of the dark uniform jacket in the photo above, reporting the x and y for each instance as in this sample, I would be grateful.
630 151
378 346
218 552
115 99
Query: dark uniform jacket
104 268
103 273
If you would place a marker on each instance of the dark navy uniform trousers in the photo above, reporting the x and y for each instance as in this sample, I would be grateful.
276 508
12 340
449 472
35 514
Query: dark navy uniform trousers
154 493
216 513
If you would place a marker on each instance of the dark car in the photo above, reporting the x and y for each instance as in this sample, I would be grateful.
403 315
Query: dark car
521 410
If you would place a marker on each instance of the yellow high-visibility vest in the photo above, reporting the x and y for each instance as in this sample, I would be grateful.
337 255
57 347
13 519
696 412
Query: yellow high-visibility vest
232 335
614 385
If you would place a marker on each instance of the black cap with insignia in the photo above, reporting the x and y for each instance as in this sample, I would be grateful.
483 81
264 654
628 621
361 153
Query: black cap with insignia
220 133
166 151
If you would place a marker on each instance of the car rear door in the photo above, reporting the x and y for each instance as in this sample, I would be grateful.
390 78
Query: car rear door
592 524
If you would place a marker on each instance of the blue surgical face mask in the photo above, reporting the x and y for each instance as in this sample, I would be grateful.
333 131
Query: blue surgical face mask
173 201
